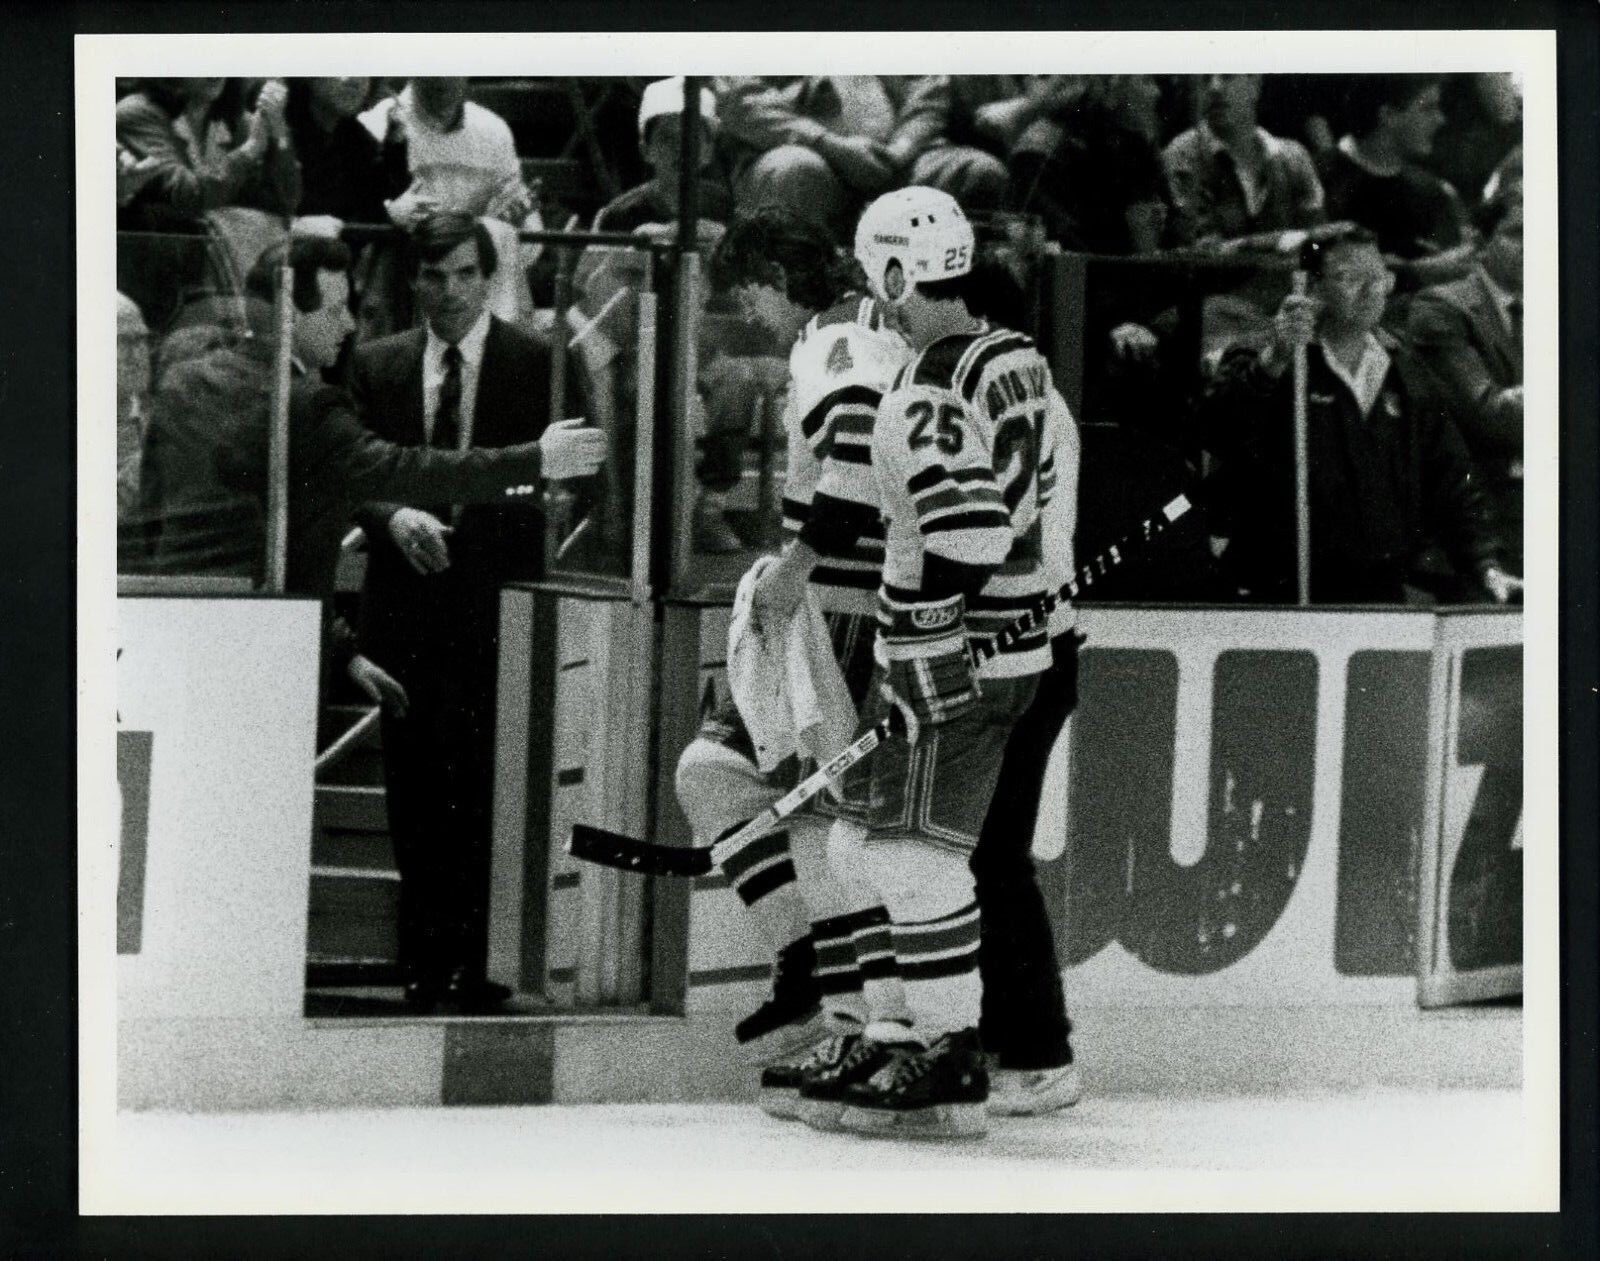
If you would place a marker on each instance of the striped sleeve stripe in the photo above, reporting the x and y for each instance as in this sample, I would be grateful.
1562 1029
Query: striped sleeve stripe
975 519
853 423
849 453
954 496
928 477
980 356
857 395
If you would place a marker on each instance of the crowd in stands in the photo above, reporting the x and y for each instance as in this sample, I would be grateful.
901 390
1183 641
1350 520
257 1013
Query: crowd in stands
1406 187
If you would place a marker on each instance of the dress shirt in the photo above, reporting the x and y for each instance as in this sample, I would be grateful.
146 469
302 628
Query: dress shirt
1366 382
471 346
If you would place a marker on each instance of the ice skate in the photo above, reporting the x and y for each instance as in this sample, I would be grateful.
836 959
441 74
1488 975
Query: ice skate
822 1091
1033 1092
937 1093
780 1083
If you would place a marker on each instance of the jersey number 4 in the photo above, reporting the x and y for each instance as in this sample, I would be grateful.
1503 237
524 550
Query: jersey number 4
944 433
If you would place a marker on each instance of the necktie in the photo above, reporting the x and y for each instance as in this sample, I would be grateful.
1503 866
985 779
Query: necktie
447 416
1514 310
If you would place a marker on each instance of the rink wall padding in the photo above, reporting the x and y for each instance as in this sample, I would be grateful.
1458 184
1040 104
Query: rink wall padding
1265 836
1251 807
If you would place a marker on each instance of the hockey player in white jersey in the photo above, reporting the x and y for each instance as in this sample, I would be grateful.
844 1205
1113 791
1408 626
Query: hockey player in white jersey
826 925
967 449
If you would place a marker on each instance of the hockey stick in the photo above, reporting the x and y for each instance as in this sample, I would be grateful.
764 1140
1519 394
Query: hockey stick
651 858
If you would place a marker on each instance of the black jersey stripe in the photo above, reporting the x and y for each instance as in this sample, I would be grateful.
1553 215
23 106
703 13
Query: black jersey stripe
927 478
976 519
862 395
1002 345
937 364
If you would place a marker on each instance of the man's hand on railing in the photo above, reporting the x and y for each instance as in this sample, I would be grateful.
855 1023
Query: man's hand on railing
381 686
422 538
569 449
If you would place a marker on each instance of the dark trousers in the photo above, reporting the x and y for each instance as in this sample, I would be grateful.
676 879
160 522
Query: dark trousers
439 776
1023 1019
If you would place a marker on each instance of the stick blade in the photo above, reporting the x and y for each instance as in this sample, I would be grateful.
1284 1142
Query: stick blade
646 858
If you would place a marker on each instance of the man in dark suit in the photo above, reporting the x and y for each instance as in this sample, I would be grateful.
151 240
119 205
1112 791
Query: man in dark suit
432 598
1468 335
204 468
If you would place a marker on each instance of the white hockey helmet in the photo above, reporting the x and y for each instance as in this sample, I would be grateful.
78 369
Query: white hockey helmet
912 236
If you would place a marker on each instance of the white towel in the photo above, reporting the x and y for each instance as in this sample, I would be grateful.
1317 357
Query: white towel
789 688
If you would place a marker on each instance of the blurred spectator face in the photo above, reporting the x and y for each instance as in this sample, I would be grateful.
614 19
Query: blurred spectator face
453 292
1228 101
662 146
1498 95
1354 286
201 92
1414 125
442 98
1137 104
320 335
1502 253
771 308
341 98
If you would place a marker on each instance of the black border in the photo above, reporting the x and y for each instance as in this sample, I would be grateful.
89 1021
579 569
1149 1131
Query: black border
38 1098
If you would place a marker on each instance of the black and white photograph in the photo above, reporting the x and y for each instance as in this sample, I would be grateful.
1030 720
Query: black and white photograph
968 627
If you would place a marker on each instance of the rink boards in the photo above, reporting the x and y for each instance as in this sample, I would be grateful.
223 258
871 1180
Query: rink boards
1272 814
1254 807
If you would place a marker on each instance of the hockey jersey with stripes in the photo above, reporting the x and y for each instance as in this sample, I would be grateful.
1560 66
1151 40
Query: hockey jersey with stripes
839 367
976 458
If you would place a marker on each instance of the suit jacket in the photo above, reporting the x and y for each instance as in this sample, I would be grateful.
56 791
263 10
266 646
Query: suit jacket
409 617
205 457
1383 486
1470 356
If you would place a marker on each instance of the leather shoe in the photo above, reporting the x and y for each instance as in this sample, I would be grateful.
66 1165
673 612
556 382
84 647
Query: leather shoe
473 995
424 994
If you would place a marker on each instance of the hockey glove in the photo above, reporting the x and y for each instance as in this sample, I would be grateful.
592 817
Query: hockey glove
929 676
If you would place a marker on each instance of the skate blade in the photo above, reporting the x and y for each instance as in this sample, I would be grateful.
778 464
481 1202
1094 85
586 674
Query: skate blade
783 1104
1029 1107
819 1114
944 1120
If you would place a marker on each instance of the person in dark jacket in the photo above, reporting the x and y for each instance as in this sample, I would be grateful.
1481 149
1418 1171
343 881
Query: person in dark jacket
207 442
431 606
343 175
1388 473
1468 333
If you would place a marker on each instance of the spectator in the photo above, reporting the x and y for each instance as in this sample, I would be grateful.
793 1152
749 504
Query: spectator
1468 333
1375 177
196 151
955 132
1303 107
460 159
660 140
341 163
133 383
1093 170
739 367
1483 124
1389 473
431 606
1234 183
818 145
